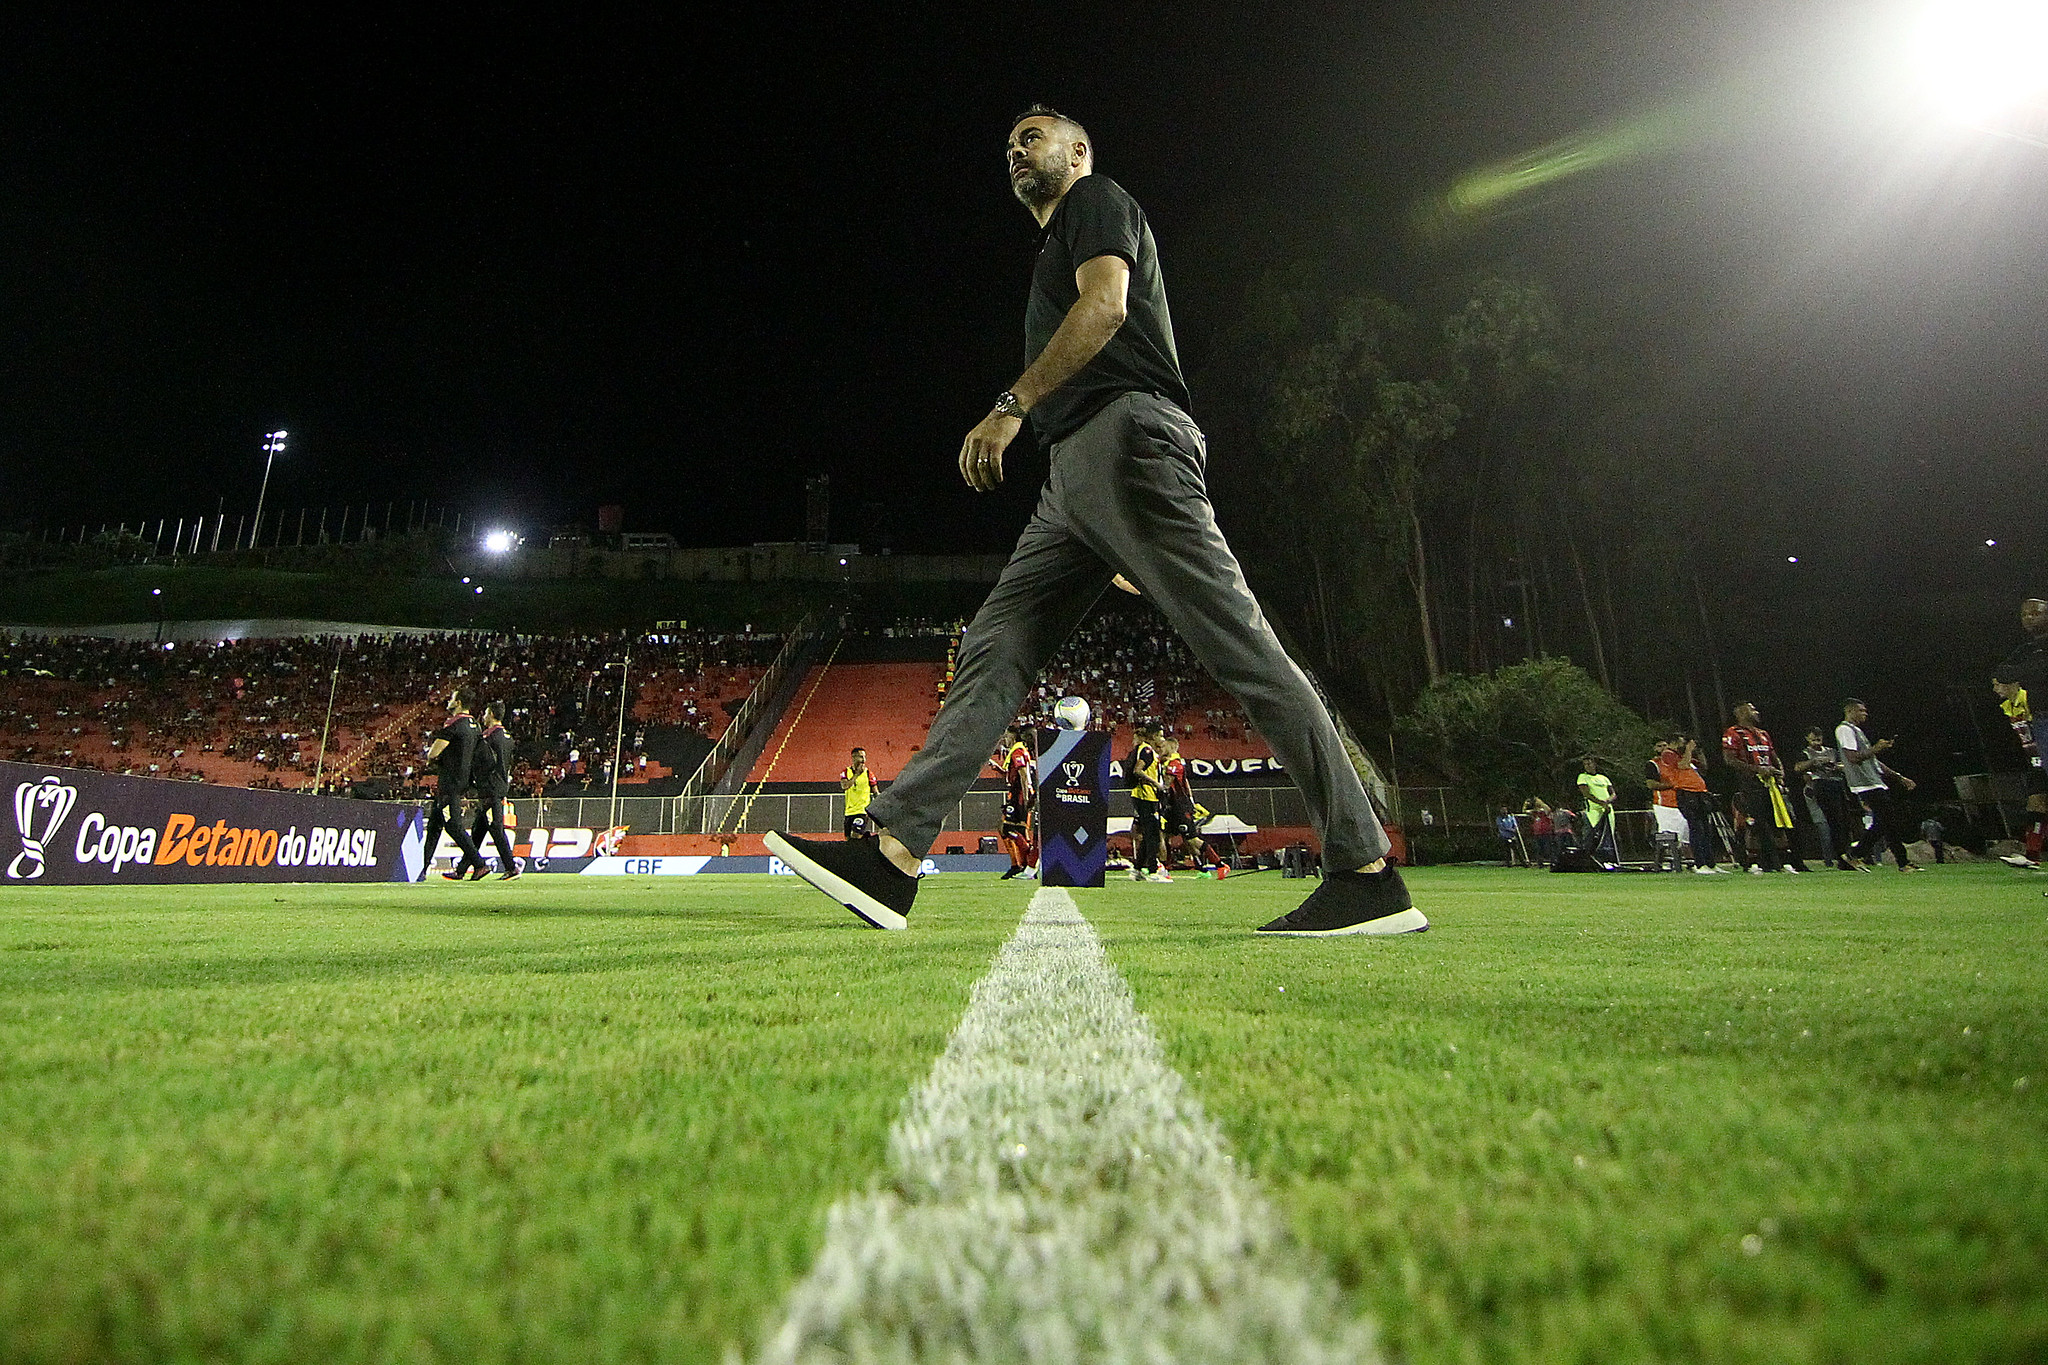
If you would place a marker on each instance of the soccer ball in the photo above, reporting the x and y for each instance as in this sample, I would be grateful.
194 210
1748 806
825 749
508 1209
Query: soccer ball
1071 713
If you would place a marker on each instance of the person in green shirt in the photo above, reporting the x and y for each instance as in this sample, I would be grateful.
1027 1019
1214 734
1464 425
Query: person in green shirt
1596 789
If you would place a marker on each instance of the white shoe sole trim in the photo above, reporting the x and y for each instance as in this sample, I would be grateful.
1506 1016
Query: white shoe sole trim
835 886
1409 921
1054 1193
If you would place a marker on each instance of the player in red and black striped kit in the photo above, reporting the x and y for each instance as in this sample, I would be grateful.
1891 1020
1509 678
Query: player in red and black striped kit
1181 813
1019 796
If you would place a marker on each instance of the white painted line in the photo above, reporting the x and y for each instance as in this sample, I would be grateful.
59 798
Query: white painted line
1056 1195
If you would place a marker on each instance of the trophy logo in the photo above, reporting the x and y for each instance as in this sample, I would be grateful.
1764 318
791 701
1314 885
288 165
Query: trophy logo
1074 772
51 800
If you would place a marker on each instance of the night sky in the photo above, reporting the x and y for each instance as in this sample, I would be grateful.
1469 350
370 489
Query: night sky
529 266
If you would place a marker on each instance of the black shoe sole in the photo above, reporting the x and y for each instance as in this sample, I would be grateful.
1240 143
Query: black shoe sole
1409 921
835 886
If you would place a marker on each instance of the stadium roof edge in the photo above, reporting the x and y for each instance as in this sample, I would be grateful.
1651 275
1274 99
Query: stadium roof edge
275 628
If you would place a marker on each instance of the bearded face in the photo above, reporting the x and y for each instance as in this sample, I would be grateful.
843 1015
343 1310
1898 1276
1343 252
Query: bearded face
1041 162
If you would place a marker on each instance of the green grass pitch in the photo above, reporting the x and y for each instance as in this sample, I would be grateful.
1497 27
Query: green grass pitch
1585 1119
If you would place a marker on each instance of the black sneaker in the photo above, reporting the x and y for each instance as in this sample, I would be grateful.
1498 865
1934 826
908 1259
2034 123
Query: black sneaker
454 876
1013 872
480 873
510 876
856 873
1353 903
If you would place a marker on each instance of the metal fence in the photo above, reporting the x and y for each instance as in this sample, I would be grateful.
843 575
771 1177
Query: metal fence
1635 832
640 814
822 812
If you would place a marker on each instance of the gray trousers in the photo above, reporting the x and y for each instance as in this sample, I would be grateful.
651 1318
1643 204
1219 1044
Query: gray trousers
1126 495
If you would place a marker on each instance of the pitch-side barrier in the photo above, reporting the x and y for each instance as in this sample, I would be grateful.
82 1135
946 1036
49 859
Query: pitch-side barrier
76 827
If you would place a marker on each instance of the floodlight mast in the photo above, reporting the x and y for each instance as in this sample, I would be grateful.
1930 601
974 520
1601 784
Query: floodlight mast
273 442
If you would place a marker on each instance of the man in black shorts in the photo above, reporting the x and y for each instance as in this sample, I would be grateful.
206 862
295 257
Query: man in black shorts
1148 831
857 786
491 778
453 753
1126 494
1180 814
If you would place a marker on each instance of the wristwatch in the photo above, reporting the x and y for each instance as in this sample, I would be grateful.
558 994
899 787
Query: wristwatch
1007 405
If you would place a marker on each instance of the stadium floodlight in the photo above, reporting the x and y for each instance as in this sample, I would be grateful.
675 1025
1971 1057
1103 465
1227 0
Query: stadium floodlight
1979 61
273 443
500 542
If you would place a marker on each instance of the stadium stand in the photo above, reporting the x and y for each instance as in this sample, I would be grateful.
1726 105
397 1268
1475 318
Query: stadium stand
249 713
1126 661
884 707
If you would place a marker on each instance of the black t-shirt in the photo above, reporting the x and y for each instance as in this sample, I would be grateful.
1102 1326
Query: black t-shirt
492 772
1097 218
456 760
2027 666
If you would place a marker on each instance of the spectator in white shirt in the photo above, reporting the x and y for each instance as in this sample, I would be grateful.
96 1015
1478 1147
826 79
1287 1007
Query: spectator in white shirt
1866 775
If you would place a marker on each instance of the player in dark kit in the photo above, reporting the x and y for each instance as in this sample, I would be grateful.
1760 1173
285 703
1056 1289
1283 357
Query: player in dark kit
1125 495
491 778
453 754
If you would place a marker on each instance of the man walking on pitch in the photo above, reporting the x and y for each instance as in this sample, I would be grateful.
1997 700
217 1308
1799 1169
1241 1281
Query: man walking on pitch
1125 495
491 776
1866 774
453 753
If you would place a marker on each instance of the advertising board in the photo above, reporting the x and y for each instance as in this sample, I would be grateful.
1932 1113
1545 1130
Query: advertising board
76 827
1073 807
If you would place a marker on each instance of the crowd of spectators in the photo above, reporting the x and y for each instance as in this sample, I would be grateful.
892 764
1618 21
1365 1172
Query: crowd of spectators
252 712
1130 665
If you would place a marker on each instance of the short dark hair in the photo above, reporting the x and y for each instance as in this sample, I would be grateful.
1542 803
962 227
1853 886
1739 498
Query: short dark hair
1848 702
858 750
465 697
496 710
1042 110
